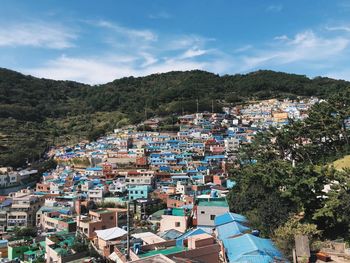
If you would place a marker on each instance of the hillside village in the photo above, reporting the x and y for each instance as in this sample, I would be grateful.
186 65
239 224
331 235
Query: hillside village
167 188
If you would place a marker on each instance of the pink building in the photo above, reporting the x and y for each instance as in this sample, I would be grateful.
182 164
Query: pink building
175 218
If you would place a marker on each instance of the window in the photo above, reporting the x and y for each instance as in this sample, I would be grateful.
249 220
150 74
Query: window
112 217
202 212
212 217
177 224
141 192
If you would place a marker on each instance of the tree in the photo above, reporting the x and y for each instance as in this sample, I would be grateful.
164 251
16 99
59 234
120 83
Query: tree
269 192
25 232
284 236
91 205
333 216
79 247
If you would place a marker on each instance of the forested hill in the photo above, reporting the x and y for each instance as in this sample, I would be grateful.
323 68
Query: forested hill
37 112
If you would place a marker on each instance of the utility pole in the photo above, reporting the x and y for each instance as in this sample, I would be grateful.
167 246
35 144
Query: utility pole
212 106
128 230
197 105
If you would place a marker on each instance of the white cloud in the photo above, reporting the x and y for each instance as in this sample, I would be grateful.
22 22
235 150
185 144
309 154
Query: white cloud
86 70
149 59
103 69
303 47
37 34
193 52
128 51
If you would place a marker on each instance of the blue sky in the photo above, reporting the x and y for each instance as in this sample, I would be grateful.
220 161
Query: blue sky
98 41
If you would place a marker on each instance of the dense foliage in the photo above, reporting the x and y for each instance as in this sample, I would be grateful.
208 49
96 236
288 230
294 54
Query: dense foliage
286 172
36 113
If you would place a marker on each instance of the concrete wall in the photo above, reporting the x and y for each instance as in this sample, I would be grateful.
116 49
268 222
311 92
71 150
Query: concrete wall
173 222
206 214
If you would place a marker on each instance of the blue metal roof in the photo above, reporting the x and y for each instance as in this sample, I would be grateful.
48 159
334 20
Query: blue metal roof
7 202
97 168
231 229
252 249
215 157
229 217
170 234
201 168
193 232
164 168
65 211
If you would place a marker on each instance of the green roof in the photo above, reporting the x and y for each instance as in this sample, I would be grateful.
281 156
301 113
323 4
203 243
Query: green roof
168 251
213 202
30 252
61 251
42 244
158 214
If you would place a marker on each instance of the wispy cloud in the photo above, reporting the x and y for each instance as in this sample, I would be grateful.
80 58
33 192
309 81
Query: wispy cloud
243 48
36 34
274 8
338 28
303 47
130 51
145 34
193 52
160 15
188 41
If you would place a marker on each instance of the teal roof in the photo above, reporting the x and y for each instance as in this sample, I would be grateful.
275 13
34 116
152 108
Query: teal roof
213 202
179 212
167 251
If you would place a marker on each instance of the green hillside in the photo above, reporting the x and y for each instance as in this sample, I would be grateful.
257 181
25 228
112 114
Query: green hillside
36 113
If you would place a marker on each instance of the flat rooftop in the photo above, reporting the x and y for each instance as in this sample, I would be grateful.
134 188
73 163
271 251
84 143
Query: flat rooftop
167 251
213 202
